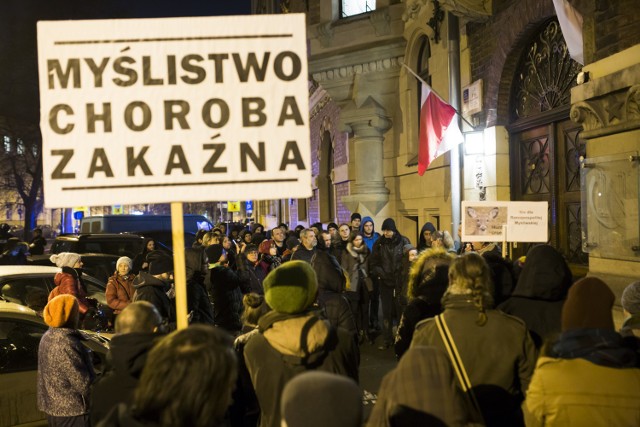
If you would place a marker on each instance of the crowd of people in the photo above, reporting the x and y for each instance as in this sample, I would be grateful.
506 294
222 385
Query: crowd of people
277 319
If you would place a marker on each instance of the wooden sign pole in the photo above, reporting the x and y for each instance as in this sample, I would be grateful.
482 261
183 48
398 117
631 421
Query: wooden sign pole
179 272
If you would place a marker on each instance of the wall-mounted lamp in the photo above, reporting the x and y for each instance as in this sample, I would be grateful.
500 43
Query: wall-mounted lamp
474 143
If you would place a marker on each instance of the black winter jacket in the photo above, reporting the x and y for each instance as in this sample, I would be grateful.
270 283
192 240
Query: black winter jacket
386 260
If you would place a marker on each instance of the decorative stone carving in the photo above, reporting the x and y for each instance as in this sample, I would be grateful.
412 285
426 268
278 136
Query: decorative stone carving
381 21
473 10
324 31
587 115
413 9
368 67
632 107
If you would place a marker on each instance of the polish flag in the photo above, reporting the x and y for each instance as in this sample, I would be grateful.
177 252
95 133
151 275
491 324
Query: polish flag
571 25
439 131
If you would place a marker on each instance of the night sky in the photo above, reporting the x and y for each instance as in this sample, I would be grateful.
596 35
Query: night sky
18 46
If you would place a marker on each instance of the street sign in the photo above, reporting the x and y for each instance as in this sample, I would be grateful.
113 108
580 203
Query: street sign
117 210
233 206
249 206
174 109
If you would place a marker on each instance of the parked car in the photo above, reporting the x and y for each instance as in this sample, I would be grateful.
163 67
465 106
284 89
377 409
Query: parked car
30 285
104 243
20 332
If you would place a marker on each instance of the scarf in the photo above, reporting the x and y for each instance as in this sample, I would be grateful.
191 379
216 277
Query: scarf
600 346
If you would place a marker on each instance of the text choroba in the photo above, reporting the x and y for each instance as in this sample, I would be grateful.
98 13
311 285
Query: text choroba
138 115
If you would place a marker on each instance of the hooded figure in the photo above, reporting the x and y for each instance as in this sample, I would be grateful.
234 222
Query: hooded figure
369 239
590 380
198 303
292 340
155 285
540 292
421 391
424 241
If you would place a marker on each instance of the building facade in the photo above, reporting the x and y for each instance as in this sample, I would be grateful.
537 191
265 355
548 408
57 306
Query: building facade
551 129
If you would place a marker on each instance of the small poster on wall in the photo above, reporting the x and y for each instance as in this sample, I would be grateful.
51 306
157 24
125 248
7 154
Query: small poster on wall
505 221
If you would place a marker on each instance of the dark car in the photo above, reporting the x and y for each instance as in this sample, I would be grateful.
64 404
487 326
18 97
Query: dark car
115 244
20 332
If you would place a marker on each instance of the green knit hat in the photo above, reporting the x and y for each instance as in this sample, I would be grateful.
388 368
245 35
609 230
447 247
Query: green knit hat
291 288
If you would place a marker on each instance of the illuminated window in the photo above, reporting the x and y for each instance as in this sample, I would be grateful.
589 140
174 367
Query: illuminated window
356 7
7 144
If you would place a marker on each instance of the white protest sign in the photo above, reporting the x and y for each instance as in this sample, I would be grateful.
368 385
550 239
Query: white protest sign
524 221
174 109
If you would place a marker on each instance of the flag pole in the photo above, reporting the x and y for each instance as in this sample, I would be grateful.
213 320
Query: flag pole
437 94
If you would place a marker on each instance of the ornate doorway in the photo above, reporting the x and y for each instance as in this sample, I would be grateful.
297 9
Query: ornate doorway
545 145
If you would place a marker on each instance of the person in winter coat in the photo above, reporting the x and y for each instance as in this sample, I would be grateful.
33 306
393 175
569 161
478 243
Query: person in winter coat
120 290
156 286
321 399
69 280
15 252
369 233
588 378
339 244
540 292
269 258
425 239
65 371
245 410
249 269
421 391
187 380
386 268
138 328
292 339
226 291
37 243
198 305
427 283
355 262
495 348
140 261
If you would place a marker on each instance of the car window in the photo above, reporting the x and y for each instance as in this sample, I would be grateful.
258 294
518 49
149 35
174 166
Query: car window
94 289
29 291
19 343
63 246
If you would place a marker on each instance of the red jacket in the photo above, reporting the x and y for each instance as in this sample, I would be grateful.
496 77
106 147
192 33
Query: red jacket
68 282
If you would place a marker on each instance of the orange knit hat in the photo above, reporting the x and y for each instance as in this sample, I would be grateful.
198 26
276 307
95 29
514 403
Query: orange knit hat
62 311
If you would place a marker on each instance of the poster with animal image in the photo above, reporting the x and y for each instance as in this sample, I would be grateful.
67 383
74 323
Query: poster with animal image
499 221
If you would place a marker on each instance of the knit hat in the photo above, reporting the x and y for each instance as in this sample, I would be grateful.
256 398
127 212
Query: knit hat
588 306
291 288
356 215
61 311
65 259
159 262
389 224
214 252
124 260
631 298
332 225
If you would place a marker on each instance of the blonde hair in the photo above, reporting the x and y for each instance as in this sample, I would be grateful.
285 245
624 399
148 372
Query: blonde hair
210 238
469 274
